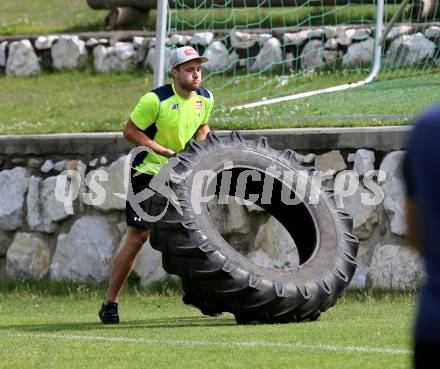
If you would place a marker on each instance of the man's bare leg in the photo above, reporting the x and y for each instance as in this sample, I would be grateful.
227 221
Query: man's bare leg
124 260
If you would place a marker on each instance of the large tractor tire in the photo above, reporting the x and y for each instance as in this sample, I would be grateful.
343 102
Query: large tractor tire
215 277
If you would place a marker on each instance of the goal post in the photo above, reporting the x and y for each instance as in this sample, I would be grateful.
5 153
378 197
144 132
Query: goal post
371 76
161 31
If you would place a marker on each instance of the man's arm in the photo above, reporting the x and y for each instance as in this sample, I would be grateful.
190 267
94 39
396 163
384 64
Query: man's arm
411 223
202 132
133 134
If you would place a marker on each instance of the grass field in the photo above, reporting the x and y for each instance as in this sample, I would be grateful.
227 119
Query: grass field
88 102
54 328
55 16
48 16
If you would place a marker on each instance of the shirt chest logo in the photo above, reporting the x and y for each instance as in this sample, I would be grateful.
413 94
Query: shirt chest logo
175 106
199 104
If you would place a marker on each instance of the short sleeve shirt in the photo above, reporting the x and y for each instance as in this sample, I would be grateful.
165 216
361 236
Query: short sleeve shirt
170 120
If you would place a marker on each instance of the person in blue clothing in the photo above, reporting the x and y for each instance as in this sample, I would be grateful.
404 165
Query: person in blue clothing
422 177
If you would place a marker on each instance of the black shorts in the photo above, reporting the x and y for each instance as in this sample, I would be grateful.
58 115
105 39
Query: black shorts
138 183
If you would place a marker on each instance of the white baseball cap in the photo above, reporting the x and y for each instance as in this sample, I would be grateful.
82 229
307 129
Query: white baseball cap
183 54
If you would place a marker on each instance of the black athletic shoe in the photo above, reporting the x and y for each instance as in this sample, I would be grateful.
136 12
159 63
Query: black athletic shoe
109 313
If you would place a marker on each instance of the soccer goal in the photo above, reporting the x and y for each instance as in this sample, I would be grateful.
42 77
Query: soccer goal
309 59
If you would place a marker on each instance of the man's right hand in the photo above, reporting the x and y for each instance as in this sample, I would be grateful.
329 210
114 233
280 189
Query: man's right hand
133 134
167 152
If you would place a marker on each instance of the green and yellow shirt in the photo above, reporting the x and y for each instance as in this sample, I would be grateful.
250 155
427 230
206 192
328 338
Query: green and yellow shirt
170 120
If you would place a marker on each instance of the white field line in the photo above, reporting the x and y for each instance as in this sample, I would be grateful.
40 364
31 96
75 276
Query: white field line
256 344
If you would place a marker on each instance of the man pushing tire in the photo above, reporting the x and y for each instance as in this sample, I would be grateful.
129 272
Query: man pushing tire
163 121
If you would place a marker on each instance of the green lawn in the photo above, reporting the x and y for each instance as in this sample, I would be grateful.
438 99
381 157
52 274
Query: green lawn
47 329
48 16
57 16
87 102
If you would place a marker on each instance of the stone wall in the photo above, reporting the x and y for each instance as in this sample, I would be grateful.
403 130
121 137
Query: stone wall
40 237
344 47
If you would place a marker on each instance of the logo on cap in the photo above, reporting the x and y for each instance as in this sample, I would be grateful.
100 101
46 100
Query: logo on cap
190 52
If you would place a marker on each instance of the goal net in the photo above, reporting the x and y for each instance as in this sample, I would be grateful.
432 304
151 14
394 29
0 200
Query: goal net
268 59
